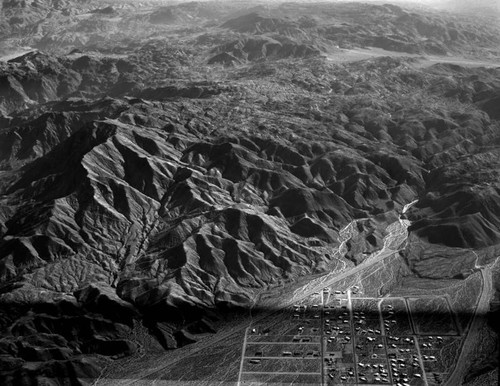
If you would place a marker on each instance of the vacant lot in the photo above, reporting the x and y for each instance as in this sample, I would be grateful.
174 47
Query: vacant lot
432 316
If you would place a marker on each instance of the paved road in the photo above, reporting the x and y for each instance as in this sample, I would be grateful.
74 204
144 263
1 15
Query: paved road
329 280
325 281
473 332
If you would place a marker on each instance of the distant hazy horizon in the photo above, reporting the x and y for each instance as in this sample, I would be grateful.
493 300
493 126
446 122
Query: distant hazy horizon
451 5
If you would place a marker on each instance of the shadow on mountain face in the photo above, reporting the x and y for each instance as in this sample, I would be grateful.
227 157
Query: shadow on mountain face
183 184
71 342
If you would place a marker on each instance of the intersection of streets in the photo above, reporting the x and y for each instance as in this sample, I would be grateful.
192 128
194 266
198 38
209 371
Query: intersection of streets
340 337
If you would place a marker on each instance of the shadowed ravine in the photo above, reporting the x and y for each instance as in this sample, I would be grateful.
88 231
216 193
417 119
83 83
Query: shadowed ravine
189 190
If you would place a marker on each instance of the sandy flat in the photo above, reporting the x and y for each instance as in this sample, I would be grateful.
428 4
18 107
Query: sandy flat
357 54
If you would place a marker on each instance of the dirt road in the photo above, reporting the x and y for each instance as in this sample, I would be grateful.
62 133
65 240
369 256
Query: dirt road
395 231
472 336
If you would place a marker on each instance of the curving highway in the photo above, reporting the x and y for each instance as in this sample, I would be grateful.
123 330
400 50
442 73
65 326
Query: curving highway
473 332
397 231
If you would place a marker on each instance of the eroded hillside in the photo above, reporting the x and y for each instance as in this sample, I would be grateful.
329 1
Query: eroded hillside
168 183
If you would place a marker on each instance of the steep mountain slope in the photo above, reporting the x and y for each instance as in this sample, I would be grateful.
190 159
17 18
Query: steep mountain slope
388 26
212 218
151 190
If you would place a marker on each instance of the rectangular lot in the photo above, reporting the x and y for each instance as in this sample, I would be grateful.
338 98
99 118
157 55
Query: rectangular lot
337 302
286 326
432 316
302 365
368 324
298 350
283 338
334 344
367 306
396 317
254 379
340 378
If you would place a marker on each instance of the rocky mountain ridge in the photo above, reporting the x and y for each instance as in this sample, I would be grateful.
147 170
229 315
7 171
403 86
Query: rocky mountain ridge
154 185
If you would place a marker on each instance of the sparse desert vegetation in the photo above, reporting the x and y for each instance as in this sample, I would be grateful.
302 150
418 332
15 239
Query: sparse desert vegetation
170 173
